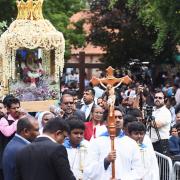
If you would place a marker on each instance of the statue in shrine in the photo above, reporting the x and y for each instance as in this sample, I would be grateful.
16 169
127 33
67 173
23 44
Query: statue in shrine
32 70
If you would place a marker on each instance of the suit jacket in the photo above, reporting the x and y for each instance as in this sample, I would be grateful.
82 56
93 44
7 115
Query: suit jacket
79 106
9 156
78 113
43 160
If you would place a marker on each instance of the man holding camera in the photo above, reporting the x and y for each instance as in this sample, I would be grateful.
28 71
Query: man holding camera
160 125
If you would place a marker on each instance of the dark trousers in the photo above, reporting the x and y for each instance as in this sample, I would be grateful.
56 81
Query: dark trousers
1 175
161 146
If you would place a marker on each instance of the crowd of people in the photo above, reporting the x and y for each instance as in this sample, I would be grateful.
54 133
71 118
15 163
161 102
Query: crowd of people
72 139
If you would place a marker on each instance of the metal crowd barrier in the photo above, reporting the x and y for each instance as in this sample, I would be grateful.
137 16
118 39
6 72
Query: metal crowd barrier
176 171
165 166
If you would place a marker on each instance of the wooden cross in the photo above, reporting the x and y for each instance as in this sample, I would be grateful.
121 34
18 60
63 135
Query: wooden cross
110 83
110 79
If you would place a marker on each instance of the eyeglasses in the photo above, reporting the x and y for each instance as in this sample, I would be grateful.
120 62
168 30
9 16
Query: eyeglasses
157 97
66 103
98 112
119 117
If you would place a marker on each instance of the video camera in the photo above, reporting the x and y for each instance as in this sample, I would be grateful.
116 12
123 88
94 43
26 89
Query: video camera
148 113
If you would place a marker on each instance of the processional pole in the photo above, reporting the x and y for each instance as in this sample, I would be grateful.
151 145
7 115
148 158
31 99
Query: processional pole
110 83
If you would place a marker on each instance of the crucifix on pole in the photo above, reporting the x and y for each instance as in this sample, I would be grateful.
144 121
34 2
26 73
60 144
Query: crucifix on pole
110 83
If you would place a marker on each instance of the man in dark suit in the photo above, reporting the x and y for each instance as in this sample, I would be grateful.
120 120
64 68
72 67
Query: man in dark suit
46 158
67 104
88 102
27 130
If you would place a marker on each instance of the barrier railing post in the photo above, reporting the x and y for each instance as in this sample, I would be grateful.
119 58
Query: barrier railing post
165 166
176 171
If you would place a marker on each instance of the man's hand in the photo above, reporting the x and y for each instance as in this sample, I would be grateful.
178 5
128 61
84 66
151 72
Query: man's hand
111 156
140 89
22 113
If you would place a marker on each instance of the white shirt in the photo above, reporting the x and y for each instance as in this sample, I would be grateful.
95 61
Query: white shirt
128 164
76 157
177 96
100 129
162 115
98 91
149 160
131 94
87 109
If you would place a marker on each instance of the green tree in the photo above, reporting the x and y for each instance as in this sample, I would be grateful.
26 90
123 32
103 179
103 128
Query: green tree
121 33
8 10
58 12
163 16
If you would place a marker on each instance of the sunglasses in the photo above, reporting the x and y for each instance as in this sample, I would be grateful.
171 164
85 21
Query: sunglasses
157 97
119 117
66 103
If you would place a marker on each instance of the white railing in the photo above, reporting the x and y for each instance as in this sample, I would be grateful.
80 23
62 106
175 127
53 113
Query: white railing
176 171
165 166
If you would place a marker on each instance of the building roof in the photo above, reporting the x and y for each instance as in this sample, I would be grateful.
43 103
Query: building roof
89 48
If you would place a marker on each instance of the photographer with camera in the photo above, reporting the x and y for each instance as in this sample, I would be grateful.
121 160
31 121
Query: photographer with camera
159 124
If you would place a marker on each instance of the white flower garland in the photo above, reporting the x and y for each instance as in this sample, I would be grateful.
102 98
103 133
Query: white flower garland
30 34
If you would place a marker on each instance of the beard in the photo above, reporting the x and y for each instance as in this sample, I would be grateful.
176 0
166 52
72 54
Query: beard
158 104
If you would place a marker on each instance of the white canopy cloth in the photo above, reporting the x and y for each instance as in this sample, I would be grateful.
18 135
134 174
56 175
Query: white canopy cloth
30 34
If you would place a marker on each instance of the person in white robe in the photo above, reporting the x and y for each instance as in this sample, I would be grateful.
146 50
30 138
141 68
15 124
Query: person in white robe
128 164
136 130
43 118
76 147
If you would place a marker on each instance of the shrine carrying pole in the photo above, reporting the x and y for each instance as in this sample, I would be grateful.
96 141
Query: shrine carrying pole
110 83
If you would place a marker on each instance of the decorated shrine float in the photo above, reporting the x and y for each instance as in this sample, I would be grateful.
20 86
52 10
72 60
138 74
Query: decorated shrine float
31 57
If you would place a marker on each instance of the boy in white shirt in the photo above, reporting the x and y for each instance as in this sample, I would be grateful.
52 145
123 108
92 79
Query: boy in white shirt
137 130
76 147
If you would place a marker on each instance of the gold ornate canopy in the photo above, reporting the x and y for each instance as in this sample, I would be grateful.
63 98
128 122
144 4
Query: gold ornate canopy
30 30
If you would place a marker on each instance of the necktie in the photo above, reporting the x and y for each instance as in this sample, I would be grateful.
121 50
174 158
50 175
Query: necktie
85 109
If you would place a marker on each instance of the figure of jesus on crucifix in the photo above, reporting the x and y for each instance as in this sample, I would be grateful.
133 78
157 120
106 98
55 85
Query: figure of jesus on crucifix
111 96
110 83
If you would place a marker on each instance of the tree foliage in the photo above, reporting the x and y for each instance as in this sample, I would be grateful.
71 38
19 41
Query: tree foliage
58 12
164 16
119 31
